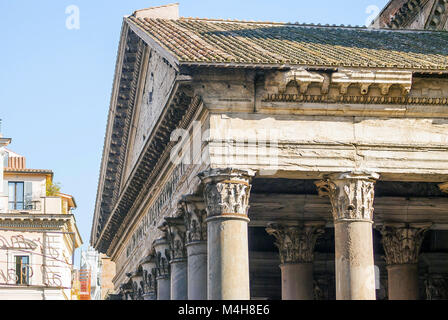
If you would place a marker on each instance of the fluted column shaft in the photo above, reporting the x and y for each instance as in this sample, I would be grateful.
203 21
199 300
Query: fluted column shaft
296 250
196 243
352 195
226 194
402 244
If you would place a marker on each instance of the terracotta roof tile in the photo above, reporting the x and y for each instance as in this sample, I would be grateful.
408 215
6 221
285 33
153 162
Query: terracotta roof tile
217 41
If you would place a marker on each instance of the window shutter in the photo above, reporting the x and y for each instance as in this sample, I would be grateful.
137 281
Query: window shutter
28 195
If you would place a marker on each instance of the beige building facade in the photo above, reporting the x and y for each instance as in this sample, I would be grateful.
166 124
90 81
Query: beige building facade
38 233
247 160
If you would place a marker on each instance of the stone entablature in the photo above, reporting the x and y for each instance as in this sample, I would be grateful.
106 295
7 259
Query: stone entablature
342 79
153 215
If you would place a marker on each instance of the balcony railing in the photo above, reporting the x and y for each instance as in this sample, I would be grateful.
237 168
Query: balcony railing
43 205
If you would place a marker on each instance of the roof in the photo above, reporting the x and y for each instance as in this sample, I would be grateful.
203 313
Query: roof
205 41
70 198
38 171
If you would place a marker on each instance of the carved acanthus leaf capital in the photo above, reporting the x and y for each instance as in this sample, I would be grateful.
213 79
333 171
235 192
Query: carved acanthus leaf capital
402 242
137 285
195 216
351 195
149 268
296 243
162 257
176 235
127 290
436 287
227 191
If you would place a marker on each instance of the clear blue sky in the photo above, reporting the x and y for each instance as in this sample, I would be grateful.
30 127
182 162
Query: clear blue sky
55 83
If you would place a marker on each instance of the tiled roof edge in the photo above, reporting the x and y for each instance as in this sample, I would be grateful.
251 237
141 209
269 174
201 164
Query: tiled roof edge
313 25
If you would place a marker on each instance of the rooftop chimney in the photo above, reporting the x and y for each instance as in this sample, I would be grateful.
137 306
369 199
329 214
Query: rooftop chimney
16 161
169 11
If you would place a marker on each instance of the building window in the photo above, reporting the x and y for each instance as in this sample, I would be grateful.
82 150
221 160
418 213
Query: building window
23 270
16 195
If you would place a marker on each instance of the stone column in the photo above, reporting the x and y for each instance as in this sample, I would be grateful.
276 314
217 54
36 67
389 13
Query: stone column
176 238
226 194
196 243
296 248
402 244
162 258
351 195
148 265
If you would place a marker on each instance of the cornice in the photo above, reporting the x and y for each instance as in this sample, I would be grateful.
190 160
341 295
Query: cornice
404 100
119 123
438 16
34 221
108 134
406 13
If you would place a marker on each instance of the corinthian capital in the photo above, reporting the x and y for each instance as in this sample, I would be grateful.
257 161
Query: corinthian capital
402 242
351 195
226 191
436 287
296 243
176 235
162 257
148 265
195 215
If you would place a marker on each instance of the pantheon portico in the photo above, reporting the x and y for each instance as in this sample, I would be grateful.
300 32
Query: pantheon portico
248 160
